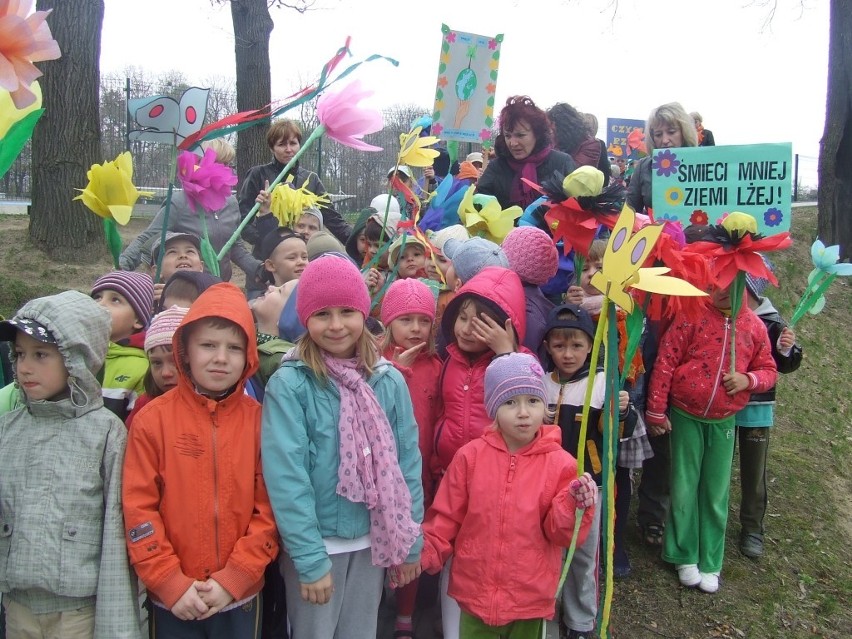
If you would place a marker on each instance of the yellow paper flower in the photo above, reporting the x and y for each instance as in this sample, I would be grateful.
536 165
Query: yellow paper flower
288 203
483 216
583 182
9 114
110 192
740 223
413 151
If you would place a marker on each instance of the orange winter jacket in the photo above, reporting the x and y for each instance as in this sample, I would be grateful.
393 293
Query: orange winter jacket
195 505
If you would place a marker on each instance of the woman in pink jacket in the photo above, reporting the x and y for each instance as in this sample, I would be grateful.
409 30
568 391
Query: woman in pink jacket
506 508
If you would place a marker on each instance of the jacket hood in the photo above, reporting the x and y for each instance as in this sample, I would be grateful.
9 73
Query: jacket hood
352 242
765 308
500 288
81 328
547 440
222 301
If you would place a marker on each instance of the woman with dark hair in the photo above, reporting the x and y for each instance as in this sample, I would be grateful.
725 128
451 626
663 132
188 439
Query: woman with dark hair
572 136
524 149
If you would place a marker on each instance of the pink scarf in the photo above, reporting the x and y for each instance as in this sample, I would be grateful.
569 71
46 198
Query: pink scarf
521 193
369 472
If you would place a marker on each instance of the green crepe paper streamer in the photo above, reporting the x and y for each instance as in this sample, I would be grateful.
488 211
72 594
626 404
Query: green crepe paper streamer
634 323
208 254
736 295
16 138
113 240
579 265
810 301
453 151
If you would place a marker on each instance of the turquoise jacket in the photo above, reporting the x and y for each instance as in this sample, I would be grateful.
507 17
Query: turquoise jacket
299 447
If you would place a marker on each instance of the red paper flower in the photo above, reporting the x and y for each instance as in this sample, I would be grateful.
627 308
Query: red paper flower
699 217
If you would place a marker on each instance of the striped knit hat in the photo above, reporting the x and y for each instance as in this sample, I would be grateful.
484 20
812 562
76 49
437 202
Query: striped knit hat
137 288
163 327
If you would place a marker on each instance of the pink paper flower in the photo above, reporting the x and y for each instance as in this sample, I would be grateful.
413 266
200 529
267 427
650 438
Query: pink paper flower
207 184
24 39
347 122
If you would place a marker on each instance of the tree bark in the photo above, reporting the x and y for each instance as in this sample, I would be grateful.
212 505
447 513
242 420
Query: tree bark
66 141
835 156
252 28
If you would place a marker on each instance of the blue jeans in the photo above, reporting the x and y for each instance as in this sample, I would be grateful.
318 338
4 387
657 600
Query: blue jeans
242 622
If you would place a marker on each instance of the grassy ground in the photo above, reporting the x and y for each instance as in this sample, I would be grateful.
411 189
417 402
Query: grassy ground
803 585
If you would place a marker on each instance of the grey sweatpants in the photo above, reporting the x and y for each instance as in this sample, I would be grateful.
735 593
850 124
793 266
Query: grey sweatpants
352 612
580 592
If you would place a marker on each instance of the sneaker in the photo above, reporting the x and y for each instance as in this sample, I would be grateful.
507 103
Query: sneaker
688 575
620 564
709 582
751 545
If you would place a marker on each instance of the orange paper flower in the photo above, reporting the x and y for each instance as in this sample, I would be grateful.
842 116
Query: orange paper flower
24 39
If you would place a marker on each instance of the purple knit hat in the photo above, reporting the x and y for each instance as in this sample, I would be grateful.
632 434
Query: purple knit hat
331 280
531 254
137 288
510 375
163 327
406 296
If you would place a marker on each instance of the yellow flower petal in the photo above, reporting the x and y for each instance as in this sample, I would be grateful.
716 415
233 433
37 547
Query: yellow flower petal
9 114
585 181
121 213
110 192
739 221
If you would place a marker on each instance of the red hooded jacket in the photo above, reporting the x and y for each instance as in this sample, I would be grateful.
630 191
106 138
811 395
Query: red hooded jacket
195 505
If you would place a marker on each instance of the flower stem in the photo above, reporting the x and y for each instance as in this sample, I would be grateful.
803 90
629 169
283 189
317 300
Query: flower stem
811 297
316 133
165 227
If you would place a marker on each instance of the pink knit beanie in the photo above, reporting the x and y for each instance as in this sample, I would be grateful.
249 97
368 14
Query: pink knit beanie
531 254
163 327
331 280
407 296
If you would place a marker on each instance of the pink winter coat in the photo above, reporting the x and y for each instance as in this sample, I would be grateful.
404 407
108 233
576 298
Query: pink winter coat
505 518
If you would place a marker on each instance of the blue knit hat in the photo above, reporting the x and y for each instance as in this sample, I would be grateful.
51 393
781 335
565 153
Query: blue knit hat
510 375
471 256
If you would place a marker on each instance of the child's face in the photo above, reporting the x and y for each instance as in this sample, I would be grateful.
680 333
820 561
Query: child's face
39 368
175 300
373 247
453 281
411 330
463 331
721 298
518 420
180 254
216 357
307 225
589 269
123 317
568 353
336 330
443 263
267 308
288 260
362 244
432 271
411 261
163 368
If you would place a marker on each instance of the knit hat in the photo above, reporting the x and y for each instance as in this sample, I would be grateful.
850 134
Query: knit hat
312 210
577 317
137 288
406 296
163 327
329 281
511 375
439 238
396 247
402 169
323 242
394 215
472 256
531 254
271 241
380 203
757 285
172 235
476 156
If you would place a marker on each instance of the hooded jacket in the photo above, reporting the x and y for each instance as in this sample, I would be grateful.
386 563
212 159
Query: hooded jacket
61 532
462 384
694 356
195 504
123 378
505 518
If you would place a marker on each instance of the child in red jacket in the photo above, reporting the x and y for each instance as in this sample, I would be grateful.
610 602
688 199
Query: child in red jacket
506 509
691 378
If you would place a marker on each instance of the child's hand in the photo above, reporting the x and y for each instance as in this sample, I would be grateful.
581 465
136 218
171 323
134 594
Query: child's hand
264 198
499 339
190 606
735 382
318 592
655 430
158 291
623 401
406 358
575 295
403 575
787 339
584 490
215 596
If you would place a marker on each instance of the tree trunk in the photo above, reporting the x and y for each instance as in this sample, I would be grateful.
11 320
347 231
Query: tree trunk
835 156
252 28
66 141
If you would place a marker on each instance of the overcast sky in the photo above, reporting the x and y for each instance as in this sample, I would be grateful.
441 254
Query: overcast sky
751 81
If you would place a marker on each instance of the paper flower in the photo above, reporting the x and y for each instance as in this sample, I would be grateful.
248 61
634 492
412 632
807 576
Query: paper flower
636 142
826 270
665 163
345 120
699 217
16 126
586 181
24 39
110 192
773 217
825 259
288 203
484 217
414 149
206 184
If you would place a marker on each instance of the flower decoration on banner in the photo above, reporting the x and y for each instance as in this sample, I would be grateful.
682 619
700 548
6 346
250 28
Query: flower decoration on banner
665 163
826 270
674 196
483 216
16 126
414 149
110 192
24 38
206 183
721 220
288 202
773 217
344 119
699 218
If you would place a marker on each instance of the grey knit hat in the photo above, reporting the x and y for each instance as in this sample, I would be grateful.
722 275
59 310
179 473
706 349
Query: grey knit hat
471 256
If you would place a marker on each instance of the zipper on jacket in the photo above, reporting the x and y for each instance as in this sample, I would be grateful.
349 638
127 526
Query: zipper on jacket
512 466
216 490
721 366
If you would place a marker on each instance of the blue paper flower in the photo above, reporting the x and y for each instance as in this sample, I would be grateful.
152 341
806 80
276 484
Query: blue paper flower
825 259
773 217
665 163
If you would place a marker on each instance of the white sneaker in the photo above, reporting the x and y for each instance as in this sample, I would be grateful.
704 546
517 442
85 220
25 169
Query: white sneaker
688 575
709 582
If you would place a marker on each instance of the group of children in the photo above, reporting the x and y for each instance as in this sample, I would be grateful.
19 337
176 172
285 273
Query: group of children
396 405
